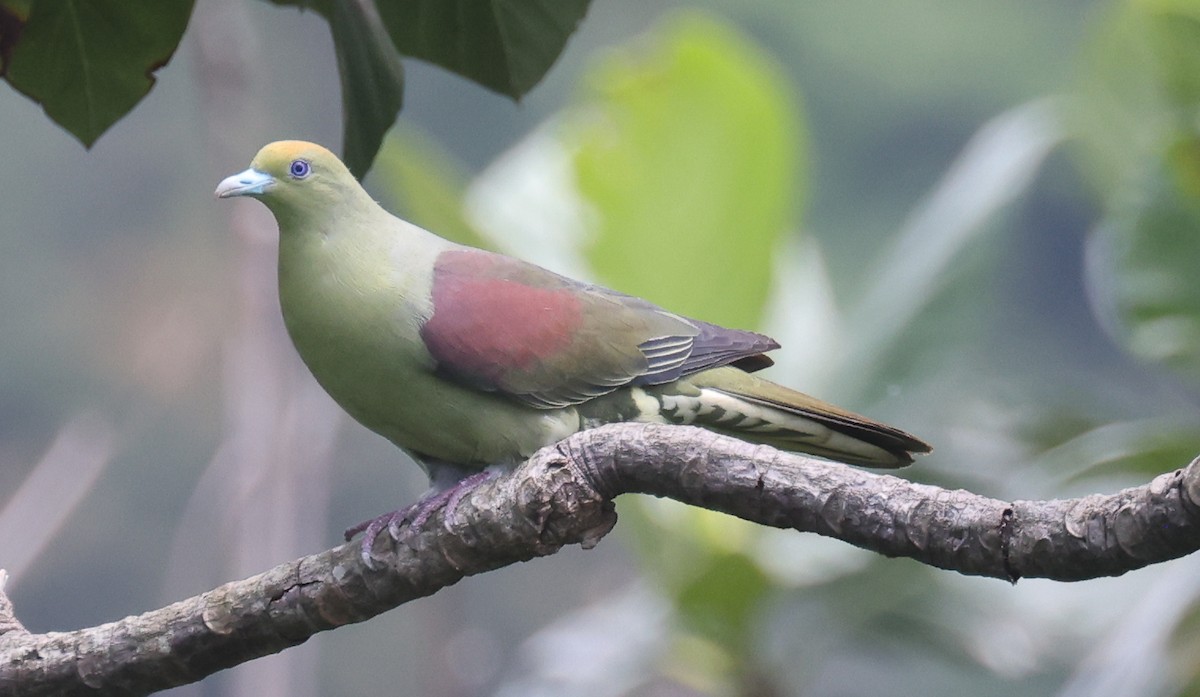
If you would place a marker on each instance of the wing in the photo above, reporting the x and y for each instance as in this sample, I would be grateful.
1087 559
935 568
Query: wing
504 325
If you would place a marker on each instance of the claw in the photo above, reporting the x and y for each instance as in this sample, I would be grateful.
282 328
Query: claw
458 492
416 515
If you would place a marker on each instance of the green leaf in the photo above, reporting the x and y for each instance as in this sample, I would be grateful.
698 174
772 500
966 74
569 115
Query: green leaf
1140 90
372 80
1138 111
1136 450
720 602
371 74
19 8
1175 38
1142 274
88 62
504 45
688 153
1183 648
13 14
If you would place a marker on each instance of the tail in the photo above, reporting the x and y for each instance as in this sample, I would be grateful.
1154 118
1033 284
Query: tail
731 401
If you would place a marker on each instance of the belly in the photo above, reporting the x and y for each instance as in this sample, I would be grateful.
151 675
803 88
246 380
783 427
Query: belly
435 418
388 384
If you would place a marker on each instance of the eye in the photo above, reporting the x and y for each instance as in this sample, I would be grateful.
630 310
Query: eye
299 169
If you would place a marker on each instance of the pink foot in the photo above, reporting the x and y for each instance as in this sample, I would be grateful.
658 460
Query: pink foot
417 514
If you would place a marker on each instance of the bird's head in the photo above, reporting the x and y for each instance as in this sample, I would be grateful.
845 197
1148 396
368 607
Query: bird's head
293 177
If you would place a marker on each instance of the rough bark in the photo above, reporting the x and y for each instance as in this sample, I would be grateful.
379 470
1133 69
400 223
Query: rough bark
562 496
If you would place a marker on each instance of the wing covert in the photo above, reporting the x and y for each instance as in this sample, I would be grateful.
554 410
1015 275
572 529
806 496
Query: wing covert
504 325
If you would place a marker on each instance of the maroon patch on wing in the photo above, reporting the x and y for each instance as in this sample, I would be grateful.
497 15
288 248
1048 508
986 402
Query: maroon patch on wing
489 324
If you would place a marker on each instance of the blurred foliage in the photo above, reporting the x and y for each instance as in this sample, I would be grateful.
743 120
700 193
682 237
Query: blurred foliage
687 147
428 184
1145 255
1184 647
1140 119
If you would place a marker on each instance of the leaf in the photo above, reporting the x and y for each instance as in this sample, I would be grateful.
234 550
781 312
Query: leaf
89 62
1138 113
1183 647
1174 33
13 14
371 74
372 80
19 8
1135 450
1142 266
1140 89
707 564
721 601
689 156
504 45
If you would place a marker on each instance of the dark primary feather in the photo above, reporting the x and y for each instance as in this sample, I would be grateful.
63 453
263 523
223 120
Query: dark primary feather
900 444
749 388
716 346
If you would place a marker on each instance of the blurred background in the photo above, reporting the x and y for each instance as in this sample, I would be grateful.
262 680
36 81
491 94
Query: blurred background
977 221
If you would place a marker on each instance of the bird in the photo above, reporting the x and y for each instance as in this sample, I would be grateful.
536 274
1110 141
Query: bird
471 361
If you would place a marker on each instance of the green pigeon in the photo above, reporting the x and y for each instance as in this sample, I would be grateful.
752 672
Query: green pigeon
469 359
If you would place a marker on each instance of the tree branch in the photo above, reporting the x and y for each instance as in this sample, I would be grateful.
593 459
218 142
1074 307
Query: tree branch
562 496
9 624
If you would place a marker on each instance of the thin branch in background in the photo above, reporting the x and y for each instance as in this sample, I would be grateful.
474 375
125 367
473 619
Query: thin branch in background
54 488
264 495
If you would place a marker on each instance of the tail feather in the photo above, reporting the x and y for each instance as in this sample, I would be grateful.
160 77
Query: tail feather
732 401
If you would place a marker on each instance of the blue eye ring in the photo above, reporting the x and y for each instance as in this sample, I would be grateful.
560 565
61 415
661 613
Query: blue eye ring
299 169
